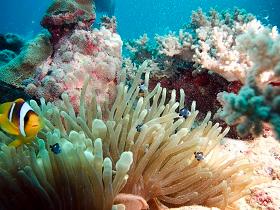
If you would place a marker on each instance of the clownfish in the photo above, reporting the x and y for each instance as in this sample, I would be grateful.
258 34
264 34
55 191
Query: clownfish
19 119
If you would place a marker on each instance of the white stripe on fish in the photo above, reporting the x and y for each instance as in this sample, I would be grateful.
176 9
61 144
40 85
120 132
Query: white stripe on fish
23 111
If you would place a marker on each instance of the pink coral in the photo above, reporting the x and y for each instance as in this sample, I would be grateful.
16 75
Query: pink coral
261 198
64 16
96 54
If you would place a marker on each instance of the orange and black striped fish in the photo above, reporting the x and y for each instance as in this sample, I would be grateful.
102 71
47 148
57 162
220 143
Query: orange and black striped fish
19 119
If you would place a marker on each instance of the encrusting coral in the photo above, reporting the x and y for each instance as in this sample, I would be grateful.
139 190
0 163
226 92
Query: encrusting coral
140 147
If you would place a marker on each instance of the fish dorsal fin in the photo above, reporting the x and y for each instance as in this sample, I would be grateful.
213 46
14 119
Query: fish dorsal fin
4 108
19 100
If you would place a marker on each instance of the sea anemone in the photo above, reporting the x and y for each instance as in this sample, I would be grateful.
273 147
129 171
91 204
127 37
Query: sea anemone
139 148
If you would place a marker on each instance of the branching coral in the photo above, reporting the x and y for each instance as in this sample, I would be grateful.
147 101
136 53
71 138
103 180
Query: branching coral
262 45
250 108
140 49
233 45
257 102
215 47
172 45
211 45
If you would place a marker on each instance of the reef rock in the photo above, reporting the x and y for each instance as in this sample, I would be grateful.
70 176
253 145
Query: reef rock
65 16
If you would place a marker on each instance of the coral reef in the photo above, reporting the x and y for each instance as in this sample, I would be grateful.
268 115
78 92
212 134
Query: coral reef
202 88
22 66
140 50
6 56
235 49
94 53
109 23
158 157
215 45
12 42
36 178
257 101
125 134
64 16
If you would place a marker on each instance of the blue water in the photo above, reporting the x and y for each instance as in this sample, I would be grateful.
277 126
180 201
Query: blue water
135 17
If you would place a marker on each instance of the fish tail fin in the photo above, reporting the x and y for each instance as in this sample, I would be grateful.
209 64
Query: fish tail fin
16 143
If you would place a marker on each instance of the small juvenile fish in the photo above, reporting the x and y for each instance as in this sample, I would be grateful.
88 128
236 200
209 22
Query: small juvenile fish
142 89
17 118
139 127
199 156
56 149
184 112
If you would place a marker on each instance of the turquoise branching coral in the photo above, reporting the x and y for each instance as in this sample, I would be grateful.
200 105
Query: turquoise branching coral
258 100
251 107
139 147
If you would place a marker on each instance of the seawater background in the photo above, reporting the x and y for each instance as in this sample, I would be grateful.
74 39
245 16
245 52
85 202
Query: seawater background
135 17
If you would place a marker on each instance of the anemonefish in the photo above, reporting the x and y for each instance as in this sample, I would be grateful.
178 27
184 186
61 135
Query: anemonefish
19 119
142 89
